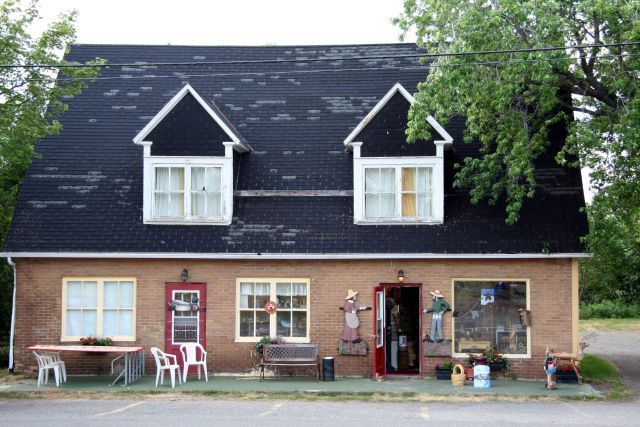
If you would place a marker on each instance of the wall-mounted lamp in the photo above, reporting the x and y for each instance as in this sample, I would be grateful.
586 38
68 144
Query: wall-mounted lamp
400 276
184 275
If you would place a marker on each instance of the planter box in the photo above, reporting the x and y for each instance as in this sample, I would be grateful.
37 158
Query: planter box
566 377
443 374
496 367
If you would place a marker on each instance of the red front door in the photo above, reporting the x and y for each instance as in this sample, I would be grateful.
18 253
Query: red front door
379 334
184 324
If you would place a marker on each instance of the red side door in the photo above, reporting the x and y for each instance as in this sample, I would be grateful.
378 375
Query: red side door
379 333
187 324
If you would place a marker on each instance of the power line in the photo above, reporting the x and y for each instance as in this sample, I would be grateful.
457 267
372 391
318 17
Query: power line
327 58
295 72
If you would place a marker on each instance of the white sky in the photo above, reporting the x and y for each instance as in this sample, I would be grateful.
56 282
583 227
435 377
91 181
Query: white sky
233 22
230 22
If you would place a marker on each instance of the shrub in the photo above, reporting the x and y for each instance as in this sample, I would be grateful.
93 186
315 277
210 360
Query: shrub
609 310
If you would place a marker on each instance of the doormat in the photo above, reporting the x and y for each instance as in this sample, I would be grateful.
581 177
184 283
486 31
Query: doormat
437 348
352 349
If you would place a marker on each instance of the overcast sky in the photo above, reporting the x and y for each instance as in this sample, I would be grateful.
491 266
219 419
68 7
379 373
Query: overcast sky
231 22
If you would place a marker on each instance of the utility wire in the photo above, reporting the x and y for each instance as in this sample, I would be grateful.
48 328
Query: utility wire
296 72
327 58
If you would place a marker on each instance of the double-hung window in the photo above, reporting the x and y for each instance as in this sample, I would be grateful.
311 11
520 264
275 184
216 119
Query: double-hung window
98 307
398 193
291 318
187 193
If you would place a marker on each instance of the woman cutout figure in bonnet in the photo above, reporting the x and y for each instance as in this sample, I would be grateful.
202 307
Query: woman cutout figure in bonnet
351 321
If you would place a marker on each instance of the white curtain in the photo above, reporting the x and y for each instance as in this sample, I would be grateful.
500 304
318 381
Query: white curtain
380 196
206 198
423 188
246 295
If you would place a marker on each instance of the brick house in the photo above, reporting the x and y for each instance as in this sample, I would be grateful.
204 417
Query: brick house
234 176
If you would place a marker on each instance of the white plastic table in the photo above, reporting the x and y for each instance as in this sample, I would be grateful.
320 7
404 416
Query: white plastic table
133 358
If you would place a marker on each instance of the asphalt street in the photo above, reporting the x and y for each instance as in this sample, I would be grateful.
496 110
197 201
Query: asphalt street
167 411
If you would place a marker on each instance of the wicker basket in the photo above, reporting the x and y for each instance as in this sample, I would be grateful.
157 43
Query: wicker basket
458 377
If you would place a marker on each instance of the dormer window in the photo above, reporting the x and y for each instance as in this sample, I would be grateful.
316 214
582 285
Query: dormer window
189 148
393 182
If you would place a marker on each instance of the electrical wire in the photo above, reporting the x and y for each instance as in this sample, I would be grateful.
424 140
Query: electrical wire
329 58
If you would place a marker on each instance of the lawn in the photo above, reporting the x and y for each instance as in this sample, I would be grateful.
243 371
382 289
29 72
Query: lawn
596 370
610 325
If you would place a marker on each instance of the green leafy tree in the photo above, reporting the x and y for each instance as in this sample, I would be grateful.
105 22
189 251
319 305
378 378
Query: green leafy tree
30 102
510 101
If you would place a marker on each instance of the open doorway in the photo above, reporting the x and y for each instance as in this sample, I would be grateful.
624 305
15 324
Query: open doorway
399 347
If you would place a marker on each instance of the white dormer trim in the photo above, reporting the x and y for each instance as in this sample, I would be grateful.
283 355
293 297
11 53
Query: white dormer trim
446 138
139 139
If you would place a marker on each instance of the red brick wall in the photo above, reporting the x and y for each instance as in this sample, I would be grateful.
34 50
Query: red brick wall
39 292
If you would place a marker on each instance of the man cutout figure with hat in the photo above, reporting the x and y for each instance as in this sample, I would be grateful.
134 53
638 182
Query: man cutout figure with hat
439 306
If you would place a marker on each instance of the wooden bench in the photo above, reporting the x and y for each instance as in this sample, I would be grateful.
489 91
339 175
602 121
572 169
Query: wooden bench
290 355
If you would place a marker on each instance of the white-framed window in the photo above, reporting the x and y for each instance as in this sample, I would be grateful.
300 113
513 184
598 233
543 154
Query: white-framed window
291 319
489 316
398 191
188 190
104 307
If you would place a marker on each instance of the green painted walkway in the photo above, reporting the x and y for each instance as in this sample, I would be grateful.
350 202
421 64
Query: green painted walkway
363 386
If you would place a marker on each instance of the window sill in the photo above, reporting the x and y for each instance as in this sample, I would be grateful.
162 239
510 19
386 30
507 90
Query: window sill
286 340
183 221
391 221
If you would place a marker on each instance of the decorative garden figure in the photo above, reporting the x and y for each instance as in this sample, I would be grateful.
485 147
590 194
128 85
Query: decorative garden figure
438 308
351 321
550 364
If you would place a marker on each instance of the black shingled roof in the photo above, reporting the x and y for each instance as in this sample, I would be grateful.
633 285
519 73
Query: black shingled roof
84 191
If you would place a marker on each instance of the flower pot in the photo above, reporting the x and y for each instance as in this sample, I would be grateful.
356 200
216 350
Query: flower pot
496 366
469 373
443 374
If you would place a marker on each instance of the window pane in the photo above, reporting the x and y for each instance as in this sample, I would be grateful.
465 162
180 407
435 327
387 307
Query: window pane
74 294
126 295
214 179
299 298
162 179
387 205
125 323
197 179
262 324
372 205
387 180
262 294
111 294
197 204
74 323
246 324
110 323
299 327
424 205
214 205
283 294
246 295
161 205
176 204
89 322
372 180
176 182
423 181
89 294
489 316
409 205
408 179
283 320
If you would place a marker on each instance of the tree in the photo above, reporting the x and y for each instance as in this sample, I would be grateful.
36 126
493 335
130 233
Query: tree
30 102
510 100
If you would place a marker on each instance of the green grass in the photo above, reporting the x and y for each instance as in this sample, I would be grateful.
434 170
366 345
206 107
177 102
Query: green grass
610 325
598 371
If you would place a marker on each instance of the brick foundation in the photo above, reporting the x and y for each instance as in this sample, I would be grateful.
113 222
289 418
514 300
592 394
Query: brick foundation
39 293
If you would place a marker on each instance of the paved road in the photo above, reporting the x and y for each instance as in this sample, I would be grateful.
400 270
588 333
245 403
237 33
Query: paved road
622 348
163 411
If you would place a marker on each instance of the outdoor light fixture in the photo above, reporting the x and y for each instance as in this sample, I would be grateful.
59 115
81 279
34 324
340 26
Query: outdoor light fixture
184 275
400 276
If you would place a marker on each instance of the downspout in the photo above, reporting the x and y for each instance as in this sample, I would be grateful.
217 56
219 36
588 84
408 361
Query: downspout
13 314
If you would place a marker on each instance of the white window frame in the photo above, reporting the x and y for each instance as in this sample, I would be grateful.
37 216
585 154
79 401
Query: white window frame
272 317
397 163
484 279
99 307
226 187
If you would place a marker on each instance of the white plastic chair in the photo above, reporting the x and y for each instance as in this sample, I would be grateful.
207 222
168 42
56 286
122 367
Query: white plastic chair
190 357
166 362
44 364
57 359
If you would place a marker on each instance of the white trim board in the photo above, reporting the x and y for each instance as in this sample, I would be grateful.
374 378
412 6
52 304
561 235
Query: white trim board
396 88
170 255
239 145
